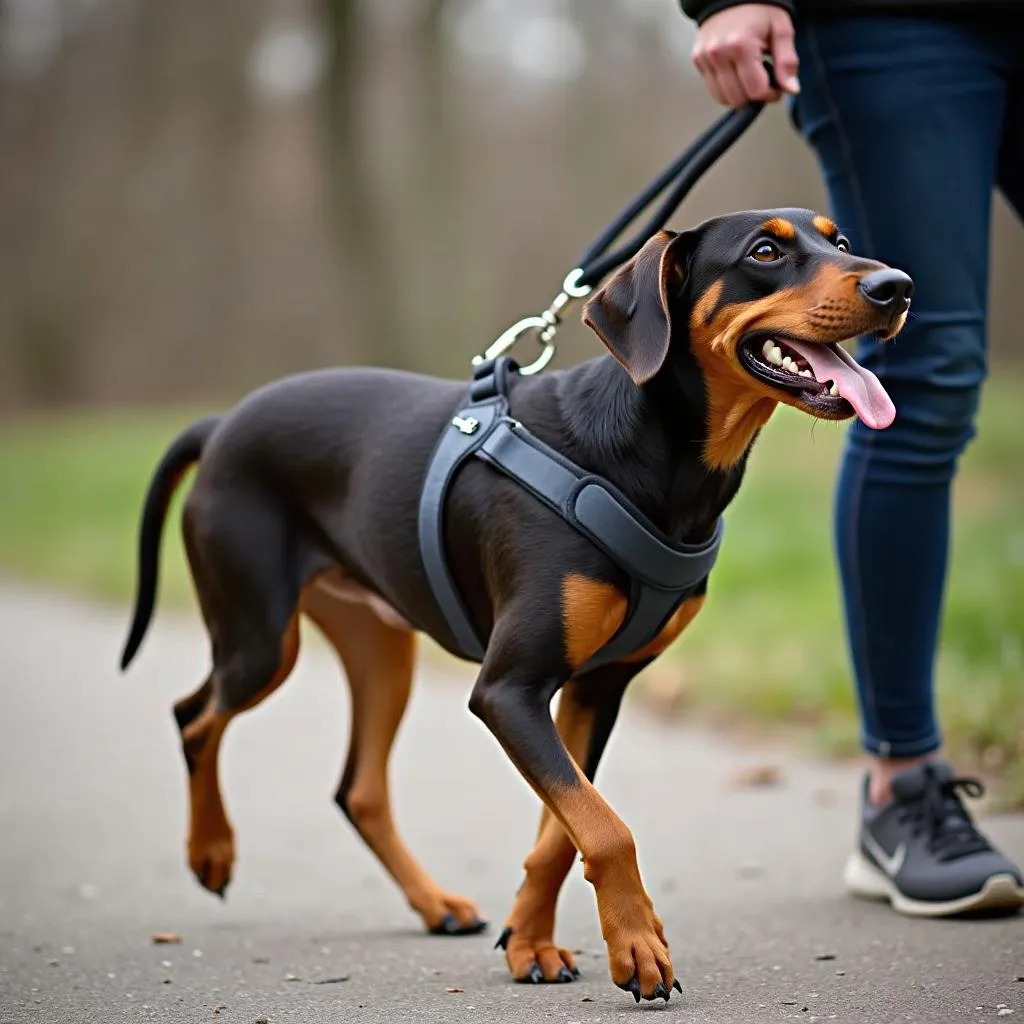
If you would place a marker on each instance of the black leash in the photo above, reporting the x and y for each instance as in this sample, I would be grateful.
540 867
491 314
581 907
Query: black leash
596 262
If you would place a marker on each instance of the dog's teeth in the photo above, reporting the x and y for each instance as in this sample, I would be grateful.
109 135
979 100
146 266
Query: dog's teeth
766 348
806 373
834 391
788 364
775 356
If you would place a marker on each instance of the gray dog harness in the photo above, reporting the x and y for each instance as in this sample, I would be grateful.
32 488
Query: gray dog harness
662 574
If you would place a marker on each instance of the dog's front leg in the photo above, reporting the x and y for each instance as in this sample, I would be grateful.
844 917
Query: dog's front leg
587 709
511 697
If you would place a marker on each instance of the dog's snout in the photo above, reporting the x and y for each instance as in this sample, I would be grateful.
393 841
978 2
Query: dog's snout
889 290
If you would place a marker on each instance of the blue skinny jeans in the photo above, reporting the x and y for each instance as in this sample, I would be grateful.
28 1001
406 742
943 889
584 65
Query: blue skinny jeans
914 121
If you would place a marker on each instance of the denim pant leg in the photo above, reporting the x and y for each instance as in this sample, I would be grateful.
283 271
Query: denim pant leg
905 116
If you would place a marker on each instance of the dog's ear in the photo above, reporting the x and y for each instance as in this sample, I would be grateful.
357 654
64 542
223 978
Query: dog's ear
632 313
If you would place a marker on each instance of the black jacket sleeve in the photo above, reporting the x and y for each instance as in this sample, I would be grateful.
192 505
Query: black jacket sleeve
701 10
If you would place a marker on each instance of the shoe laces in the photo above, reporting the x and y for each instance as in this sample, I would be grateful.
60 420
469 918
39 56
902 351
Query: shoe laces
941 815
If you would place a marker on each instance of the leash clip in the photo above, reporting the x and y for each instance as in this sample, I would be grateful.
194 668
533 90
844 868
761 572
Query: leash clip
546 325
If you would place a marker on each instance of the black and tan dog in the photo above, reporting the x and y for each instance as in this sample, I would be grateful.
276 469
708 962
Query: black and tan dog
305 502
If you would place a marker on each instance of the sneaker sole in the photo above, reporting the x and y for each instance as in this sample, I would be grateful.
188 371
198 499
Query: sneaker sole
863 879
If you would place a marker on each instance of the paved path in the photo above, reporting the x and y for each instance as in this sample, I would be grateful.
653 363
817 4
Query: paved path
91 835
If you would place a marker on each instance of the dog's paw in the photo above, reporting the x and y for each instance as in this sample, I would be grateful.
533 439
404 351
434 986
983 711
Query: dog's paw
535 961
211 862
639 960
454 915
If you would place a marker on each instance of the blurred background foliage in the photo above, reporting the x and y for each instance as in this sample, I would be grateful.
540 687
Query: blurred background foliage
198 196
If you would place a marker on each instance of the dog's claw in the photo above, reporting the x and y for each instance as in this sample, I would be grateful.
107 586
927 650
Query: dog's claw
660 992
222 892
536 975
632 986
575 972
564 975
677 986
503 938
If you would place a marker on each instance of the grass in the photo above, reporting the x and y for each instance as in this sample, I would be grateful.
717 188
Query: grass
72 491
768 649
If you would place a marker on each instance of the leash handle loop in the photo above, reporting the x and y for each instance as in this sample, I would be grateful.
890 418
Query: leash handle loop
596 262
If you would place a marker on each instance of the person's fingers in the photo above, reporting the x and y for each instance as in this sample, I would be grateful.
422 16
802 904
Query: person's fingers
750 71
784 53
721 90
730 49
723 64
703 64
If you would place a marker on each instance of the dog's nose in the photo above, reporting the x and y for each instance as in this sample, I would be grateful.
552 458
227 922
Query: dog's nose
888 289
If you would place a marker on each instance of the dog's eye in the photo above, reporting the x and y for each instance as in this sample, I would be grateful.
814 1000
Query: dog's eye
843 244
766 252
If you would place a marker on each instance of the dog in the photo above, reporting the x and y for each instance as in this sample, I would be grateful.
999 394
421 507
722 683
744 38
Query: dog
305 503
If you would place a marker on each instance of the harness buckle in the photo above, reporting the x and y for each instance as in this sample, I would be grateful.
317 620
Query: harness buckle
546 325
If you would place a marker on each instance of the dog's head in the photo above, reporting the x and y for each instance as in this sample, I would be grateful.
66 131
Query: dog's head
752 307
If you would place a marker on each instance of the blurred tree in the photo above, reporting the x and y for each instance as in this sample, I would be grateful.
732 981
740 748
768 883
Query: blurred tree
369 274
197 197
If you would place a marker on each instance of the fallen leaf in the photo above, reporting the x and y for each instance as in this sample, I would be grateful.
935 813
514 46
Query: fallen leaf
332 981
824 956
756 775
165 938
454 988
586 999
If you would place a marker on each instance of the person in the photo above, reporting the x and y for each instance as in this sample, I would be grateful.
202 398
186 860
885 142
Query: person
915 111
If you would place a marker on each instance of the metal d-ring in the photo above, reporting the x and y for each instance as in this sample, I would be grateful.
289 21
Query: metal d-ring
546 325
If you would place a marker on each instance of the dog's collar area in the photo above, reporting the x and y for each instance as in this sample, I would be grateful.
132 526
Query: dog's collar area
663 574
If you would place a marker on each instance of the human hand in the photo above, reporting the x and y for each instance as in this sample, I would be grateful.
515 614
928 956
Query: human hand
730 47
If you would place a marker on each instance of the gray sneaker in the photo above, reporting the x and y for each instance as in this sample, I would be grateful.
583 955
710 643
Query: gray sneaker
924 854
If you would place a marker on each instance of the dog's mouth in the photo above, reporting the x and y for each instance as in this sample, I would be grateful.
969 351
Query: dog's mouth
824 378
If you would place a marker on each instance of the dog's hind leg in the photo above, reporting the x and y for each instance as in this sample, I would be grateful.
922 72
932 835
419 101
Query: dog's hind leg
587 710
247 602
211 847
378 660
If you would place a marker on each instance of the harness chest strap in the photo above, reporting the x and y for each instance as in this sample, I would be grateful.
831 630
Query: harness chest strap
663 574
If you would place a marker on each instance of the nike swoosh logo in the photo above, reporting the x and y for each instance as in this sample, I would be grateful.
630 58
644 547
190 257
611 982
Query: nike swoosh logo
889 864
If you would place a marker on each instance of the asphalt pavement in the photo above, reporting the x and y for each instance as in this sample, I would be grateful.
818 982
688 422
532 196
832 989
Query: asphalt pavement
92 818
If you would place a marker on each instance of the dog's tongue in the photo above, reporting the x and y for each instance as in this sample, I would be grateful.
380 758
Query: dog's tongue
859 386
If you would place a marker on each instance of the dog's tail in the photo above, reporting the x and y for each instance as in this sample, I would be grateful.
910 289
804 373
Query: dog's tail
183 452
